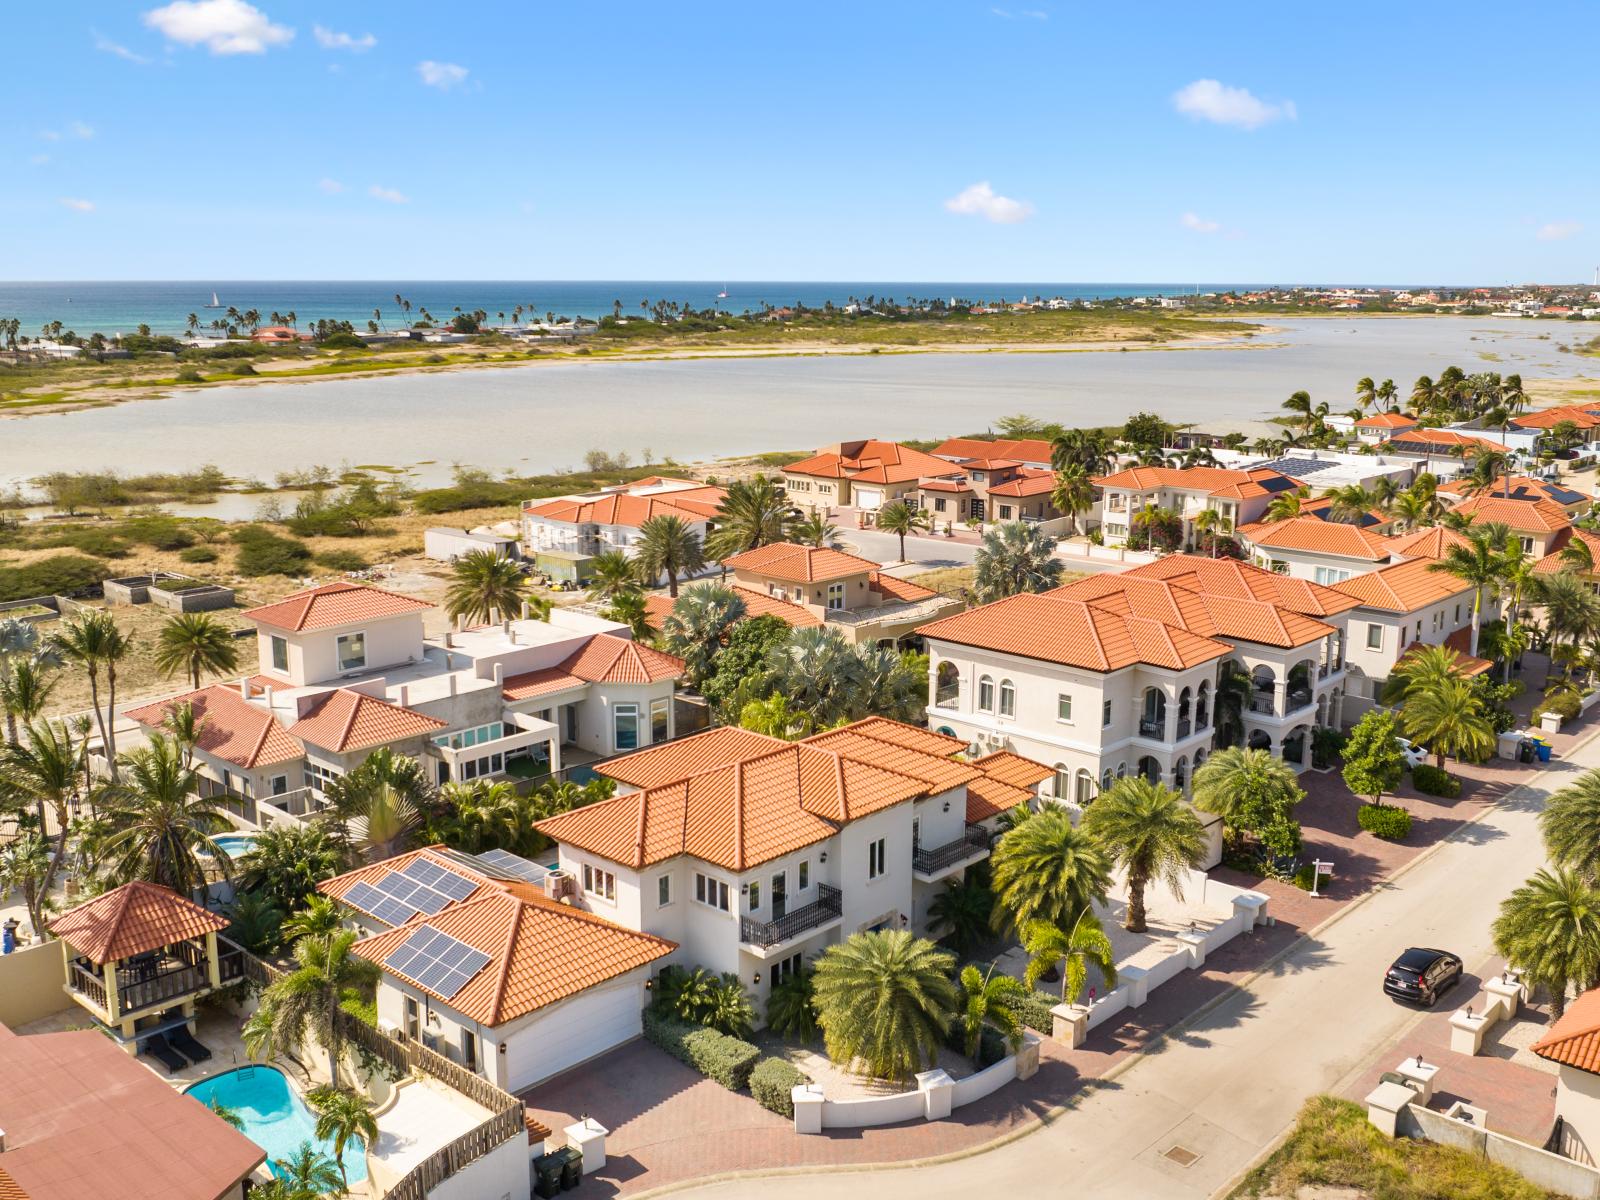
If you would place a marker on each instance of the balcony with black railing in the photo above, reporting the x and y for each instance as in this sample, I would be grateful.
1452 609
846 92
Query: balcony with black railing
973 843
176 972
826 907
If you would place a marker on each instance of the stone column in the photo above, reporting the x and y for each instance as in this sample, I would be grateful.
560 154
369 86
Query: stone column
113 1001
1280 695
213 967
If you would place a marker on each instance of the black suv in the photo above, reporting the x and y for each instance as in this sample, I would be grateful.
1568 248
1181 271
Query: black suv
1422 975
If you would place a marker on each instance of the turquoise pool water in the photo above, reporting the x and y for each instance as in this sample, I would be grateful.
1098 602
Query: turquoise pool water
274 1116
235 844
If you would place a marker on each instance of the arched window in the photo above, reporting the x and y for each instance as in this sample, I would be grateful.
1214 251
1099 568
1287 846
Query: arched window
1180 774
1062 785
947 685
1085 788
1202 705
1008 698
1122 770
985 694
1106 780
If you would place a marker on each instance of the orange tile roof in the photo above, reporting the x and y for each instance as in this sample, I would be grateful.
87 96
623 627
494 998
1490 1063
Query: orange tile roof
1549 418
892 587
1225 576
133 919
1028 450
529 685
799 564
989 797
1211 480
1387 420
231 728
692 755
1437 441
1013 769
539 951
334 604
1521 487
1403 587
1553 562
1189 604
9 1188
990 464
756 604
1458 644
939 772
869 461
913 737
946 484
1029 483
83 1120
538 1131
1316 536
1525 516
343 720
1434 542
1574 1040
621 508
604 658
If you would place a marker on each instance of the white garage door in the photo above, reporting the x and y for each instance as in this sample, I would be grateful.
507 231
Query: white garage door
578 1029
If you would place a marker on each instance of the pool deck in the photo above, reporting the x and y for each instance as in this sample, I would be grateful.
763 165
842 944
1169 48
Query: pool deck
425 1116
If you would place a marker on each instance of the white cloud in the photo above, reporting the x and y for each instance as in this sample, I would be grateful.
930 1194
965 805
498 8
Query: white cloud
388 195
332 186
39 160
222 26
106 46
1208 100
328 39
76 205
981 200
1555 231
441 75
1199 224
79 130
49 135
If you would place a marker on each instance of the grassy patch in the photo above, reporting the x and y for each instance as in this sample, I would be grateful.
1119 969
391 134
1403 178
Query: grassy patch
1333 1145
947 581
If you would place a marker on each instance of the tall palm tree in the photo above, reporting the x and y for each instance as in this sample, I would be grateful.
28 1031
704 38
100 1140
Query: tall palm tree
42 770
1248 789
1449 719
1349 504
1424 395
1047 870
1148 831
1549 928
1085 448
1366 393
698 626
1384 395
307 1000
380 802
611 572
755 512
1490 468
818 673
1285 505
343 1116
1014 557
814 529
24 691
1300 403
1571 609
1477 563
1073 493
162 826
1083 943
630 609
25 868
1423 669
899 518
885 1000
1570 823
485 585
193 643
307 1174
320 917
1577 555
1229 705
667 546
93 641
1411 508
21 646
983 1002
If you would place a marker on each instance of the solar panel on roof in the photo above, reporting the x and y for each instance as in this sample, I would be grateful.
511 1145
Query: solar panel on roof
457 887
363 896
391 911
503 862
430 901
434 960
423 871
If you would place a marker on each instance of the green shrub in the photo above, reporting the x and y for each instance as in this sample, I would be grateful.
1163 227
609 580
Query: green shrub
101 543
991 1044
240 368
1431 781
1302 878
198 554
189 375
1564 702
342 341
264 553
61 574
1033 1010
772 1083
341 560
727 1060
159 533
1387 822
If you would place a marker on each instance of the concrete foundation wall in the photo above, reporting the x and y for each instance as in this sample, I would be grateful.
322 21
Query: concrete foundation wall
31 983
1540 1167
500 1173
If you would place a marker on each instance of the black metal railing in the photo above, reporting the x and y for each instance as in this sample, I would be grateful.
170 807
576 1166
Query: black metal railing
1299 698
973 840
825 908
161 987
1184 728
1151 729
1263 702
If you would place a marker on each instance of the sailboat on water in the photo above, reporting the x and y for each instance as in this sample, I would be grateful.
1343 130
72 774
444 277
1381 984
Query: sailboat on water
215 303
723 294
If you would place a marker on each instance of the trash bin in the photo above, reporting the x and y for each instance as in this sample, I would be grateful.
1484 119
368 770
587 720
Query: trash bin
1544 752
547 1175
1525 751
571 1167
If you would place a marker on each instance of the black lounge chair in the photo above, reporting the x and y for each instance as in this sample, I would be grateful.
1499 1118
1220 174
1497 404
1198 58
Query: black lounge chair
158 1048
185 1044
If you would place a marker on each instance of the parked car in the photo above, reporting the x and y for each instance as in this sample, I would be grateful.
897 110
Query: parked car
1415 755
1422 975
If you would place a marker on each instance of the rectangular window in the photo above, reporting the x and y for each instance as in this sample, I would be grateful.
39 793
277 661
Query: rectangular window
1329 575
1374 637
469 1050
835 596
1005 512
755 894
1063 707
804 874
280 784
598 883
986 694
876 858
1458 614
711 891
664 891
660 712
280 654
938 504
627 726
1105 713
352 648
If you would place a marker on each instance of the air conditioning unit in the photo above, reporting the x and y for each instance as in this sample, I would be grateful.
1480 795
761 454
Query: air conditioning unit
559 884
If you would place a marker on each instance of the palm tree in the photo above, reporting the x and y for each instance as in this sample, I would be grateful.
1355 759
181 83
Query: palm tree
959 914
1148 831
697 627
1577 555
630 609
343 1115
195 642
1384 395
1246 788
791 1006
611 572
1285 505
1549 928
1366 393
817 672
307 1000
1423 669
1412 508
93 641
813 529
885 1000
1300 402
1489 468
1423 395
1230 704
1014 557
667 546
1449 719
1477 563
382 799
983 1002
162 826
24 691
1349 504
1085 942
486 586
22 647
1045 869
319 918
286 862
25 867
1073 492
1571 609
1570 823
42 770
307 1174
755 512
900 518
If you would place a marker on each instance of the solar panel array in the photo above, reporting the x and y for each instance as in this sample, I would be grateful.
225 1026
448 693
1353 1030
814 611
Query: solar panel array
421 887
436 961
505 863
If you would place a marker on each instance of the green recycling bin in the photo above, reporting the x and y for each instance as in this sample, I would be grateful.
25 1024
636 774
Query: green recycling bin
547 1175
571 1167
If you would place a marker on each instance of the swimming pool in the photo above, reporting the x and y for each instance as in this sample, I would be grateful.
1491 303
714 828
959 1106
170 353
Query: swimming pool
275 1117
235 844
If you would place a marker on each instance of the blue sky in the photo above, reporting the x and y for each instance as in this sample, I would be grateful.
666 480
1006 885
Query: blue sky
212 139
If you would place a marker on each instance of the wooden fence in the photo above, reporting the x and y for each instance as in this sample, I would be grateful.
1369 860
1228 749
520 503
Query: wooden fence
405 1055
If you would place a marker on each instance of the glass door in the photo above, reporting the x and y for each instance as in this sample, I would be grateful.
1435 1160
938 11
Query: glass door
780 895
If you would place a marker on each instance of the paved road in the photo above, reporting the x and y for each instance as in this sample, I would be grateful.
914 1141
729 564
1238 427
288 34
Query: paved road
1228 1086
